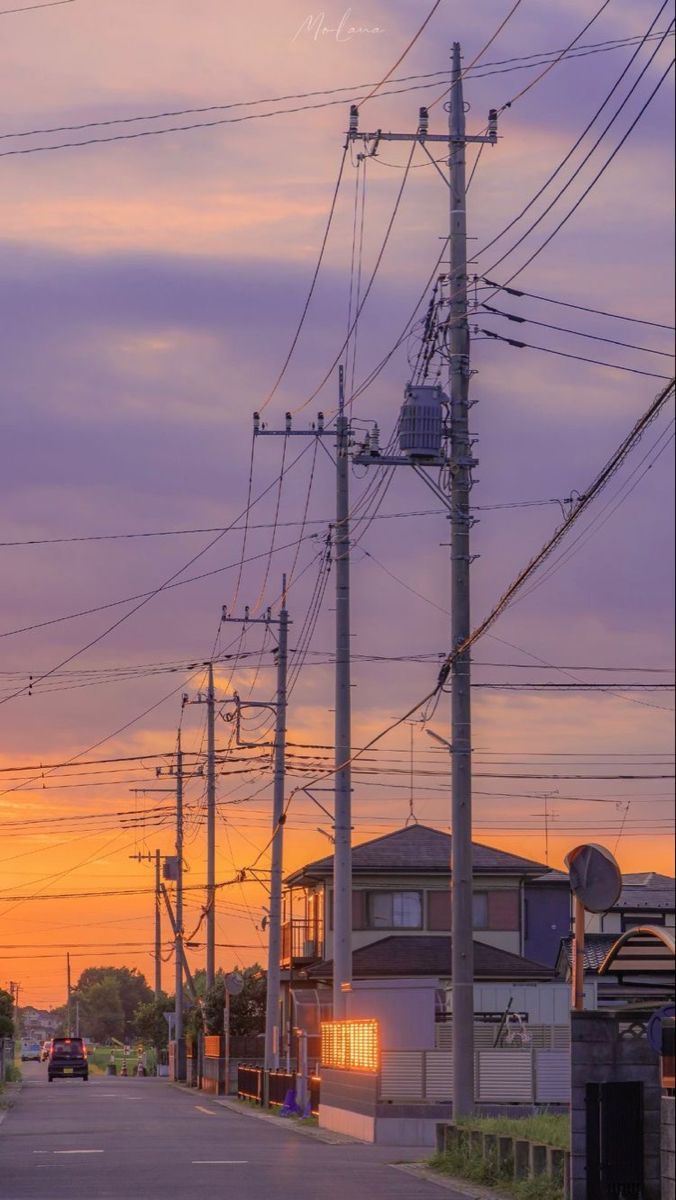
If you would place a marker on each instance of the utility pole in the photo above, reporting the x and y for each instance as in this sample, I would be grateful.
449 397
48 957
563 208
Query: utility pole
462 965
428 438
68 987
211 830
342 858
272 1030
342 862
275 924
139 857
178 928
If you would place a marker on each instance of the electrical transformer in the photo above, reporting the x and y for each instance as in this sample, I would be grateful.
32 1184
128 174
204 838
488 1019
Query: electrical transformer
421 423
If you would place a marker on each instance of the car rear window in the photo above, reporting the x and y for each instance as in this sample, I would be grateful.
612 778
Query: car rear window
68 1047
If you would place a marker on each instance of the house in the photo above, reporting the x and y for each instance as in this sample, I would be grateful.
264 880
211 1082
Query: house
401 922
647 899
402 885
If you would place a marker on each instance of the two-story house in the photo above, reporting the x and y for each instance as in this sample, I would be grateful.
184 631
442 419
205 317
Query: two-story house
401 918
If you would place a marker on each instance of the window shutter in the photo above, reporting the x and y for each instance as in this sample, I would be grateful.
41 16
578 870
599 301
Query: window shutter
358 910
438 910
503 910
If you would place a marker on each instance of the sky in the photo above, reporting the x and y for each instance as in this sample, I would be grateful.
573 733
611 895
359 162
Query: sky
150 291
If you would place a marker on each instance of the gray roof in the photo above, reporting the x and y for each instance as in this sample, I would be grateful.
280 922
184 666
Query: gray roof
421 849
399 956
647 889
596 947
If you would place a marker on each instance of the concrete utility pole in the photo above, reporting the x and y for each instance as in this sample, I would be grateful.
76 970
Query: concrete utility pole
279 705
461 696
342 862
275 922
139 857
68 987
424 438
342 859
211 830
178 928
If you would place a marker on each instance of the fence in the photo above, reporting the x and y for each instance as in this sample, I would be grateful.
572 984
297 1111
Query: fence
6 1056
523 1076
279 1084
250 1083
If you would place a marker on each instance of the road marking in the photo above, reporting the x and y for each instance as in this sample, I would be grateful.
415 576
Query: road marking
77 1151
220 1162
209 1111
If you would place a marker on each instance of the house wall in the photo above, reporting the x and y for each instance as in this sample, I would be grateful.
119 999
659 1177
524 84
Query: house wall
504 907
404 1009
546 921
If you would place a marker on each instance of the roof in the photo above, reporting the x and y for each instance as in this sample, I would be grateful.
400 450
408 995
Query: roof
596 947
422 849
647 889
646 950
421 954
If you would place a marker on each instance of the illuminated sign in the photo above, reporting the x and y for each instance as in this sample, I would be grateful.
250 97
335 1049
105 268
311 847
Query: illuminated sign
351 1045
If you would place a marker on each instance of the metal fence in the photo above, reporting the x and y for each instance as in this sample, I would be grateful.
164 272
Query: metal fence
280 1083
250 1083
315 1092
505 1076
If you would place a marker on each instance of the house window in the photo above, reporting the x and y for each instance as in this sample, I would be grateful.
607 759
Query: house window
394 910
480 910
497 910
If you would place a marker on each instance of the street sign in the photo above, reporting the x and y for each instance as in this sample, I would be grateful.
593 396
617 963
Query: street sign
595 878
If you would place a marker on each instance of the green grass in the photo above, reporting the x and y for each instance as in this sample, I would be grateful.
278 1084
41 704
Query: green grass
465 1164
100 1057
547 1129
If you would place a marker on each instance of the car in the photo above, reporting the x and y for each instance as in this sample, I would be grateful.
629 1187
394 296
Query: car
30 1049
67 1059
46 1047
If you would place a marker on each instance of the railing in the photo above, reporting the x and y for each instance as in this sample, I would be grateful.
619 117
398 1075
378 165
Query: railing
315 1093
301 942
505 1076
280 1083
250 1083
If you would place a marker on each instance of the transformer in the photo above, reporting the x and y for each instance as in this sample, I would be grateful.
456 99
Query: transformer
421 423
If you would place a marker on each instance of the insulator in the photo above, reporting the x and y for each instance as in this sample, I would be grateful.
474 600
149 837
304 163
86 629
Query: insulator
374 440
287 421
424 122
320 421
354 119
493 124
256 422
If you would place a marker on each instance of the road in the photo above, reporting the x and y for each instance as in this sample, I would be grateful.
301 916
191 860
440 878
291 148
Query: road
144 1139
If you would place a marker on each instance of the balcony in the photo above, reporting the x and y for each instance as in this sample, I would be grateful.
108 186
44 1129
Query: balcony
301 943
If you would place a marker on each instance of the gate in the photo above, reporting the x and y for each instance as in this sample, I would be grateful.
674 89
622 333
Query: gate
614 1141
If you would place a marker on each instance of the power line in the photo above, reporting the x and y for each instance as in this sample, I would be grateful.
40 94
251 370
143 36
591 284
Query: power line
31 7
599 312
519 345
575 332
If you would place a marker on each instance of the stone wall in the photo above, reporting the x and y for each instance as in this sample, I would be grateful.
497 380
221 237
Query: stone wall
606 1049
668 1149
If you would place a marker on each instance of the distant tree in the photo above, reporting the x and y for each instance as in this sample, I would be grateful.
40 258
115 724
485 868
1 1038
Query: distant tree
101 1012
150 1025
6 1014
247 1011
132 990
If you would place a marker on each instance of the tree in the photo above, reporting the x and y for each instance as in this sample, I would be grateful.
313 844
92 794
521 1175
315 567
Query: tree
6 1014
101 1011
247 1010
150 1026
132 990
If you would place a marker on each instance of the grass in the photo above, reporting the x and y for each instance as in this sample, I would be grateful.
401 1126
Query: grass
100 1057
546 1128
465 1164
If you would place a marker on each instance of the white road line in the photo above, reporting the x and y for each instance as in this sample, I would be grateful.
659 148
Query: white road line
220 1162
209 1111
77 1151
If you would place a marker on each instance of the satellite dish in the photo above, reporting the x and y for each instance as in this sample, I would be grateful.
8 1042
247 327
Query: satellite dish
234 983
595 878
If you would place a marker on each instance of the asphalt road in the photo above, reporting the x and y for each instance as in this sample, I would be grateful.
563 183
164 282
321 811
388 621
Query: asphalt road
143 1139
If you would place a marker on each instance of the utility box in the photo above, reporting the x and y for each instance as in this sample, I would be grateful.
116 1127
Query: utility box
421 423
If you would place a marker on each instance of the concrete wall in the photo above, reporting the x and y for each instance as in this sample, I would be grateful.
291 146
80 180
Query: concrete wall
603 1051
668 1149
403 1007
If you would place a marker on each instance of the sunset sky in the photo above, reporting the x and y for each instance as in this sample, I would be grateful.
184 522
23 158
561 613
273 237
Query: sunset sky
150 290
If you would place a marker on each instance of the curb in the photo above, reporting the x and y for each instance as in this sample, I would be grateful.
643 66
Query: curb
244 1110
9 1098
461 1187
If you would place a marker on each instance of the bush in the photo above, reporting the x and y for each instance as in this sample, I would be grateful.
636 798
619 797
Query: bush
12 1073
467 1164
